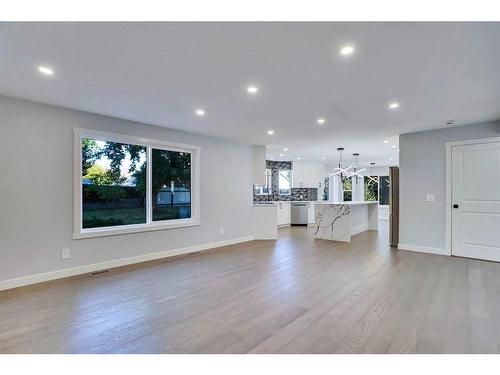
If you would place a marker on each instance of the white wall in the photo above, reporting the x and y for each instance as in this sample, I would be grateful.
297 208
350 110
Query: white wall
259 165
335 188
36 191
422 170
358 189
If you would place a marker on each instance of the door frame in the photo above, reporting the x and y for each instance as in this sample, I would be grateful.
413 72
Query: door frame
448 148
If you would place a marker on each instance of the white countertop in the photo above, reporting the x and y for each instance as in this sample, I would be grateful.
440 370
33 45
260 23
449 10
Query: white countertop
274 203
290 202
345 203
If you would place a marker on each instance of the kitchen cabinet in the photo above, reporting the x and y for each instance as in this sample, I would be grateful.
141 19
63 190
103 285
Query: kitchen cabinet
284 213
308 174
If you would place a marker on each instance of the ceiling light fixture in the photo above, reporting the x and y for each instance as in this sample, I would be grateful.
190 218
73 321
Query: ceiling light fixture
285 149
270 132
347 50
252 89
46 70
321 121
200 112
281 155
355 172
371 177
323 158
386 141
393 146
394 105
299 158
340 170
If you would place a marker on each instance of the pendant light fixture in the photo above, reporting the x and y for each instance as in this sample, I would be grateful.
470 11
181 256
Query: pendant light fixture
355 169
340 170
370 177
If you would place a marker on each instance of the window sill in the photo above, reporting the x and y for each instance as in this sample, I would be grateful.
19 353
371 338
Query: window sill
137 228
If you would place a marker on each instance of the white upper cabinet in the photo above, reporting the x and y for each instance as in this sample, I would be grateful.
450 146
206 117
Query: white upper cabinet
308 174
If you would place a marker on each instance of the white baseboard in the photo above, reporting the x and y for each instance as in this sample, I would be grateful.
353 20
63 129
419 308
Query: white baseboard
423 249
59 274
284 225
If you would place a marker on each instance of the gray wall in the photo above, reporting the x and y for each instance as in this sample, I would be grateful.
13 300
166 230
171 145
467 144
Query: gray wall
36 191
422 170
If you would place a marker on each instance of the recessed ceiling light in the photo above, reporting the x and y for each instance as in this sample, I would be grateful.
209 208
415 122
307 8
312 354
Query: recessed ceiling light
46 70
347 50
321 121
252 89
323 158
200 112
281 155
394 105
399 150
393 146
386 141
270 132
285 149
299 158
390 159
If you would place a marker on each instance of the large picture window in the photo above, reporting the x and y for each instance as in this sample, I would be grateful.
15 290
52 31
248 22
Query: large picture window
171 185
371 188
126 184
347 189
113 187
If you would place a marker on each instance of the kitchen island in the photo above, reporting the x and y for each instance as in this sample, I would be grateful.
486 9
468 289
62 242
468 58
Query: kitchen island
338 221
284 217
265 217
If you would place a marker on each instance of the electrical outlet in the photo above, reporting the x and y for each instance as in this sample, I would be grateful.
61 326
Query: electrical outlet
221 231
429 197
65 254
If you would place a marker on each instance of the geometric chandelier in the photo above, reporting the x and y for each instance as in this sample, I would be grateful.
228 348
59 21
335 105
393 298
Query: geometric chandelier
373 179
349 171
355 172
340 170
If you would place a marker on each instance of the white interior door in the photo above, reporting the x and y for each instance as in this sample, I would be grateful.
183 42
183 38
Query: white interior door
476 201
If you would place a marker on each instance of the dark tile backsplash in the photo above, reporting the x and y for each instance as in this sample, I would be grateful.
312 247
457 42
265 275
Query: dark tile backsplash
297 194
308 194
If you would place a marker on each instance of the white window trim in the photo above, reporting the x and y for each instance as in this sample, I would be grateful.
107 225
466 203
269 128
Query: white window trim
79 232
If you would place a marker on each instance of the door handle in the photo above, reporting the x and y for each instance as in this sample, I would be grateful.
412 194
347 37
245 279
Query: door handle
455 206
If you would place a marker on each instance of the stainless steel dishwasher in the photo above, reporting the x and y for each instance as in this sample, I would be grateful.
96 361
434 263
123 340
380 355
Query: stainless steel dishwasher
299 213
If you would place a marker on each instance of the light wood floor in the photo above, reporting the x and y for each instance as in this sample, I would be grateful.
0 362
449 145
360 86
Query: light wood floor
295 295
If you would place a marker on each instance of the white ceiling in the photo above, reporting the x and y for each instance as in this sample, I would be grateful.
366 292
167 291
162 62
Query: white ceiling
159 73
